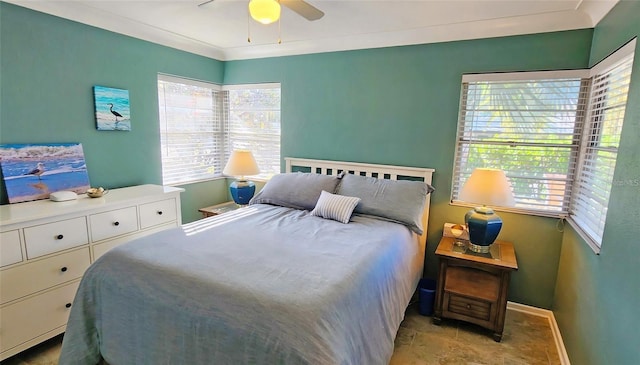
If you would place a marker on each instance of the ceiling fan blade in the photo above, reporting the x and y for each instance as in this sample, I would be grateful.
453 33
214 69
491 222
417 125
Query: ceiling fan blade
303 8
206 2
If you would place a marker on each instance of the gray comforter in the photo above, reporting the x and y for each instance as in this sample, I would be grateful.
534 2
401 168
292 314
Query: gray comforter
261 285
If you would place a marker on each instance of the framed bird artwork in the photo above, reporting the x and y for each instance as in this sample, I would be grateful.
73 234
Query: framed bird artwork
34 171
112 109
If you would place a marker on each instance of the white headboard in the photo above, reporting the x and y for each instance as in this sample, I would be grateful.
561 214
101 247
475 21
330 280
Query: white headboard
326 167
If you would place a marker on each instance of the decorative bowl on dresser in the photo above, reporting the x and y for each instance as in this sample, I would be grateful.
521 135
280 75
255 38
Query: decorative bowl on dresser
46 246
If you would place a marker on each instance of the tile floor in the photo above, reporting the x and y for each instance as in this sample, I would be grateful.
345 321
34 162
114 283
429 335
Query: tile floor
527 339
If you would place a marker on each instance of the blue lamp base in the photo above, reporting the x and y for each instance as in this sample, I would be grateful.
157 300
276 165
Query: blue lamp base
484 226
242 191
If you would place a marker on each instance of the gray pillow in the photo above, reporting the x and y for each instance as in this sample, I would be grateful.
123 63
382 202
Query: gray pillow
299 190
400 201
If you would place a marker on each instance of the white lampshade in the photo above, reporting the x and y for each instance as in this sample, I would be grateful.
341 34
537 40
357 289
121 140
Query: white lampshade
488 187
241 163
264 11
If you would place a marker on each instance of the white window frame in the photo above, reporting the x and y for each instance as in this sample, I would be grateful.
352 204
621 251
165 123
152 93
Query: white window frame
224 134
584 125
263 141
470 134
176 168
589 204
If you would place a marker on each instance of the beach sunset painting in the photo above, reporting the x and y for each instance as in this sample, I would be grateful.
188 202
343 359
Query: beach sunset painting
112 109
33 171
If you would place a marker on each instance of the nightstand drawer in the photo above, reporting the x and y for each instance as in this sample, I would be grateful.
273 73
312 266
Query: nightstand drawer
49 238
472 282
114 223
469 307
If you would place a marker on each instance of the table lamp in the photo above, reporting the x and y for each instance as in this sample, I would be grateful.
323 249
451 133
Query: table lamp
240 164
486 187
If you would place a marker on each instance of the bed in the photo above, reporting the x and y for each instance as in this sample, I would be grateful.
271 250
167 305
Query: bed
318 269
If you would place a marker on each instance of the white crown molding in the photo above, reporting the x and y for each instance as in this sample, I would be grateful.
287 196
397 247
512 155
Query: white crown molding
79 12
586 15
541 23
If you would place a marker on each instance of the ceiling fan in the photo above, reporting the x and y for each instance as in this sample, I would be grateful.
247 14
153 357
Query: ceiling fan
268 11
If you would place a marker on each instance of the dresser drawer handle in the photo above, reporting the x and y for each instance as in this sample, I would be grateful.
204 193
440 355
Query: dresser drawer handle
63 269
468 306
159 212
68 305
59 237
116 223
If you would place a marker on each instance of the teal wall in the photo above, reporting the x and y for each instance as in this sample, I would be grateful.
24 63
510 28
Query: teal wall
49 66
400 106
392 105
597 296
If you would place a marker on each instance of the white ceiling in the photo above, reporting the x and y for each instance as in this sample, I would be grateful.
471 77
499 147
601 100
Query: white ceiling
220 29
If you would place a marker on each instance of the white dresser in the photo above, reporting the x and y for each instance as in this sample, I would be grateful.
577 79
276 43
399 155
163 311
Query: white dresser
46 246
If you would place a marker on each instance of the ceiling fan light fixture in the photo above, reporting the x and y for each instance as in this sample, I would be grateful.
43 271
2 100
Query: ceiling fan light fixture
264 11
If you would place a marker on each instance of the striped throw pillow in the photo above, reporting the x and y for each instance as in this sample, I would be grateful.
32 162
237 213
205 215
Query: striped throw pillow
336 207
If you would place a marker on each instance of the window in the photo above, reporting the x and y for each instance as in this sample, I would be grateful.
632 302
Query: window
200 124
600 140
524 124
254 119
193 135
554 134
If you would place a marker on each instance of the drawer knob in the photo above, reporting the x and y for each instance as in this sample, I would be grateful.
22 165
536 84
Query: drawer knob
468 306
63 269
159 212
59 237
68 305
116 223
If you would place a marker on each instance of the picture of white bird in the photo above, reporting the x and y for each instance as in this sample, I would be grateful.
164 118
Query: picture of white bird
37 171
34 171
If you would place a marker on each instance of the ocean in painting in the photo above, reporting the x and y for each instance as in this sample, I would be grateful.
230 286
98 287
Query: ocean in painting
105 119
33 171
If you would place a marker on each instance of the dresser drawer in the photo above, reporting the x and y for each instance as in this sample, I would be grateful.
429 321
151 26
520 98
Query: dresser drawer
28 319
48 238
10 251
469 307
113 223
155 213
22 280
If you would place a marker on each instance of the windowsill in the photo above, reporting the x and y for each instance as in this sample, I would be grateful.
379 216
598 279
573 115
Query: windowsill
590 242
196 181
513 210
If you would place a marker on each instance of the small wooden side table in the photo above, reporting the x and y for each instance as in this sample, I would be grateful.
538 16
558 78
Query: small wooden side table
218 209
473 287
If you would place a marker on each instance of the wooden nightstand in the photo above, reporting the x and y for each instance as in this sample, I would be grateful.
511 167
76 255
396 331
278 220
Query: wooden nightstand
473 287
218 209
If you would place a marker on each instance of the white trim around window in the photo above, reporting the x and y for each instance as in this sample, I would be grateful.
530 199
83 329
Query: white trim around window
554 133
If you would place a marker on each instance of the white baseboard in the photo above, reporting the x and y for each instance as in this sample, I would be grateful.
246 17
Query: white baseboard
562 352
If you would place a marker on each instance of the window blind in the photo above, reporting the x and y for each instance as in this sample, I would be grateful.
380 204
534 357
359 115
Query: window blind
607 103
201 123
555 134
526 124
193 134
254 122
